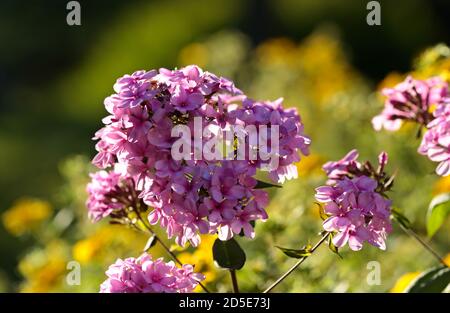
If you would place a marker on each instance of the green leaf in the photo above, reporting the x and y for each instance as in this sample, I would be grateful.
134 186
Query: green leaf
228 254
438 211
431 281
322 213
150 243
261 185
332 247
390 182
297 253
400 218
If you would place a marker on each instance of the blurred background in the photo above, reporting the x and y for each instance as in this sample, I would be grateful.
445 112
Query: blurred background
320 55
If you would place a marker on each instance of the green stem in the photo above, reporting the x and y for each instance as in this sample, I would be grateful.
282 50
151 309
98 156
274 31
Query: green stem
165 247
234 281
299 262
424 244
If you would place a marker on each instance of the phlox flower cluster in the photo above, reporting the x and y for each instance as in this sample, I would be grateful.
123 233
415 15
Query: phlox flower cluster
425 102
145 275
354 201
191 196
108 195
436 140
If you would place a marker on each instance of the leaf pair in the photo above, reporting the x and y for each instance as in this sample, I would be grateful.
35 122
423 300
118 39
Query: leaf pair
307 250
297 253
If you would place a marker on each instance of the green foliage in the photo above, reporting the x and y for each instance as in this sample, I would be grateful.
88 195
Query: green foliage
322 213
228 254
431 281
398 216
261 185
438 211
332 247
297 253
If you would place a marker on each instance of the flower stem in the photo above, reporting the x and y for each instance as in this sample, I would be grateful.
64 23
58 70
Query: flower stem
424 244
165 247
279 280
234 281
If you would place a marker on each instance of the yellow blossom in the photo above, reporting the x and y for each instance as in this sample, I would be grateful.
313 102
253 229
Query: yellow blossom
85 250
442 185
109 242
403 282
44 269
202 258
310 165
392 79
25 215
194 53
277 51
322 53
447 259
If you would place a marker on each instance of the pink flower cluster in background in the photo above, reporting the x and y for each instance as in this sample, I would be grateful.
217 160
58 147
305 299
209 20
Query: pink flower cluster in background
144 275
196 196
410 100
354 201
425 102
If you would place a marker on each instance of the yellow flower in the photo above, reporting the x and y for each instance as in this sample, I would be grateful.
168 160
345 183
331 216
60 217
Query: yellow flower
109 242
194 53
277 51
85 250
25 215
442 185
403 282
202 259
434 61
434 58
447 259
322 53
390 81
310 165
44 269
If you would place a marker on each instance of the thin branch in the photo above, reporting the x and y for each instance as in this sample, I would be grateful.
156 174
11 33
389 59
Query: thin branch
424 244
279 280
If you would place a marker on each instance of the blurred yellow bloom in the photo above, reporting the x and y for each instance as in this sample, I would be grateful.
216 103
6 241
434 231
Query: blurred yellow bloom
447 259
277 51
26 214
44 269
85 250
109 242
442 185
404 281
325 67
392 79
434 61
310 165
202 258
194 53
